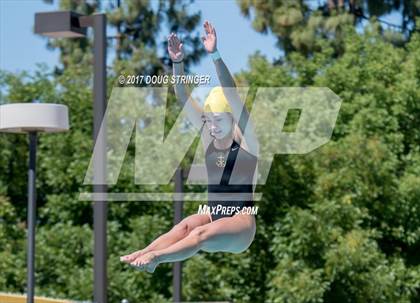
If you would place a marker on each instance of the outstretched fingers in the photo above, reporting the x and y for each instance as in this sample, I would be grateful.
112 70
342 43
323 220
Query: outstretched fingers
174 42
206 27
206 32
212 30
170 40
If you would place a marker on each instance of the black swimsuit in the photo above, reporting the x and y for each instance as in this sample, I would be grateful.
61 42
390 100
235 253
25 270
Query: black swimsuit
229 182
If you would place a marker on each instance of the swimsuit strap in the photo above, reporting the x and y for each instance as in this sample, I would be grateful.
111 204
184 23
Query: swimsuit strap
227 171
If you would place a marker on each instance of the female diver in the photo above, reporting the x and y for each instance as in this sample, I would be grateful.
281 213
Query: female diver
231 163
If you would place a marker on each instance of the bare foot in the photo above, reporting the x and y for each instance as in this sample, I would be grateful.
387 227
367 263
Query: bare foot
131 257
147 262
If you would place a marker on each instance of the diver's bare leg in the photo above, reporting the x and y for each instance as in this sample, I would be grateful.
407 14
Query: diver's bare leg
178 232
231 234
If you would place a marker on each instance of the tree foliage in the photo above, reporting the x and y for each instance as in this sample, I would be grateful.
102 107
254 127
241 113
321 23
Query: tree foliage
339 224
306 26
131 31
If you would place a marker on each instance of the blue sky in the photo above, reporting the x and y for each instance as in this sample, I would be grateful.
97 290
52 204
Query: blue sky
21 49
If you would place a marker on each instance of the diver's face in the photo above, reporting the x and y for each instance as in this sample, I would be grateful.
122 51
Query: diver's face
219 124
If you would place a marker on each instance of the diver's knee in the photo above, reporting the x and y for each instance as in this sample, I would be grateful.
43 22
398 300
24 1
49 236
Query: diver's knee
182 228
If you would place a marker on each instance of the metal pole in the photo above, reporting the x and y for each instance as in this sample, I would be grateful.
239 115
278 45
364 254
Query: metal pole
99 175
31 217
177 267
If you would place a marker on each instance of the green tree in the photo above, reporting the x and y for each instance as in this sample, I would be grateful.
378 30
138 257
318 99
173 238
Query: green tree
345 224
339 224
63 160
137 25
305 26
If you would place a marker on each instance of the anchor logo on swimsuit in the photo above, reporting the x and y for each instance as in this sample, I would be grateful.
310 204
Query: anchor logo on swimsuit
221 162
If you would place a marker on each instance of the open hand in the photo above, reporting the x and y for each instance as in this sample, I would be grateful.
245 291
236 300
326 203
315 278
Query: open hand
175 48
210 39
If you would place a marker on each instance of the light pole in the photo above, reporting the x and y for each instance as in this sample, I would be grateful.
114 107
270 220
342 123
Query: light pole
194 173
67 24
32 118
178 205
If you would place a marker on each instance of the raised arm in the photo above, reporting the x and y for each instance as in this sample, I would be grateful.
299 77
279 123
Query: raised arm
229 90
192 107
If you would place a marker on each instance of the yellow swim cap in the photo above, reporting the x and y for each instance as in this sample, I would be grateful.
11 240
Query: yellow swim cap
216 102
